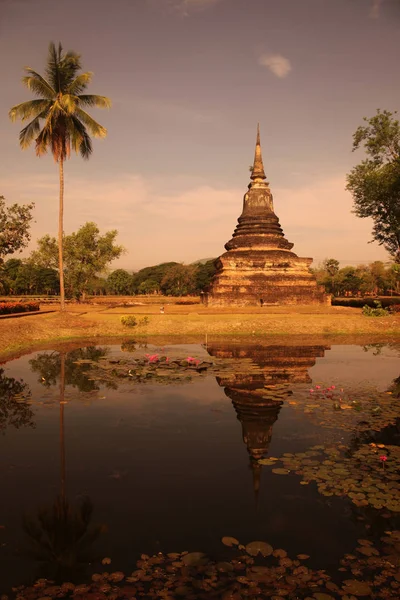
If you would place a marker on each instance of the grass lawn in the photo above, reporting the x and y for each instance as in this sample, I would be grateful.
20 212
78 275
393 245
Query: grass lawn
193 322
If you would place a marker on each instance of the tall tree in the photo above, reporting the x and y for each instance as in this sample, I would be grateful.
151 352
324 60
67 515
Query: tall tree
58 121
375 182
87 253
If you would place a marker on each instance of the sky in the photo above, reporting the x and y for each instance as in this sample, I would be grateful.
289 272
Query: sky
189 80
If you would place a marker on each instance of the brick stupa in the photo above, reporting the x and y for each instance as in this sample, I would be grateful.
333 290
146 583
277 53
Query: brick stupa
259 267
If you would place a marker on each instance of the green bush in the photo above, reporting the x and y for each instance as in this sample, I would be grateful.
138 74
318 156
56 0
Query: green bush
378 311
129 321
144 321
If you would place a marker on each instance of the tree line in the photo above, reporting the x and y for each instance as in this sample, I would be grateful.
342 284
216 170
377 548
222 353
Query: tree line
38 275
375 279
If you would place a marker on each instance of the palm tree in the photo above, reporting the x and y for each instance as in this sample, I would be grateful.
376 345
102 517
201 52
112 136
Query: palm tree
59 120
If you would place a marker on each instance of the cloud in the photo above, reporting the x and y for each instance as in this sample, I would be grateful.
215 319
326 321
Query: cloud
375 9
276 63
196 220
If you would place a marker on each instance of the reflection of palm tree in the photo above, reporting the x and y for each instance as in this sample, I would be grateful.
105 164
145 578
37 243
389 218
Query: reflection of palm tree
14 410
61 535
48 366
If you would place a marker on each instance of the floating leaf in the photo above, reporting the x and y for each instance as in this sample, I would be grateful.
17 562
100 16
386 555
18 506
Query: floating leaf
279 471
254 548
357 588
230 541
194 558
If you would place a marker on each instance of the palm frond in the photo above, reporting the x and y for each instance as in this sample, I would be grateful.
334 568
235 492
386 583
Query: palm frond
52 67
80 83
94 127
29 109
68 103
29 133
80 139
94 100
38 84
43 141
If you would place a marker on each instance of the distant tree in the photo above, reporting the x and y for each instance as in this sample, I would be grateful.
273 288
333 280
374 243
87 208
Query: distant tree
205 273
331 266
375 182
151 278
347 280
179 280
86 253
66 124
98 286
149 286
12 266
24 277
120 282
15 221
393 279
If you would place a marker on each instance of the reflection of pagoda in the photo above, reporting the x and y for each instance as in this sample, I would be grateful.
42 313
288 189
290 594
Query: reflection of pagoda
258 397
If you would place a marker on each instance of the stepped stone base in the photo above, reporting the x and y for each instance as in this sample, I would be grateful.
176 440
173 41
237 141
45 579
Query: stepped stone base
257 279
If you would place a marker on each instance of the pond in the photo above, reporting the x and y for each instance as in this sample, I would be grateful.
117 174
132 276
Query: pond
113 451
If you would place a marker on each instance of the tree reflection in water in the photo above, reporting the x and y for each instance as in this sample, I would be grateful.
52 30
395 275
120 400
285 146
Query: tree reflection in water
60 535
48 367
14 410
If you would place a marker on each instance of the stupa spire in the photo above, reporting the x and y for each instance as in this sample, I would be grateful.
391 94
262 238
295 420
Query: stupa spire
258 167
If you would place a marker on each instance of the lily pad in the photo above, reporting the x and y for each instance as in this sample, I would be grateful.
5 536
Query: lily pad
230 541
279 471
194 558
357 588
254 548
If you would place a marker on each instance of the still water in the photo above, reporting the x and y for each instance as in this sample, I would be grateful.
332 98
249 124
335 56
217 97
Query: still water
175 467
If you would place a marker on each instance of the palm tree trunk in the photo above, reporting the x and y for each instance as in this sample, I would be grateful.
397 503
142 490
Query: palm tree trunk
62 432
60 236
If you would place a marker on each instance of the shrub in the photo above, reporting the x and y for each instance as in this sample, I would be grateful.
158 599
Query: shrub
8 308
129 321
378 311
144 321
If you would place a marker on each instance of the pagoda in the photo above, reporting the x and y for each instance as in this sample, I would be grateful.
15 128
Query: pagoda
259 266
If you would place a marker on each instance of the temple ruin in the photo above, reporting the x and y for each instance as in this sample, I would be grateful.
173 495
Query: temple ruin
259 267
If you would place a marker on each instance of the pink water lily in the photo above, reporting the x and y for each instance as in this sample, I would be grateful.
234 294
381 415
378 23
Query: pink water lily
192 360
152 357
